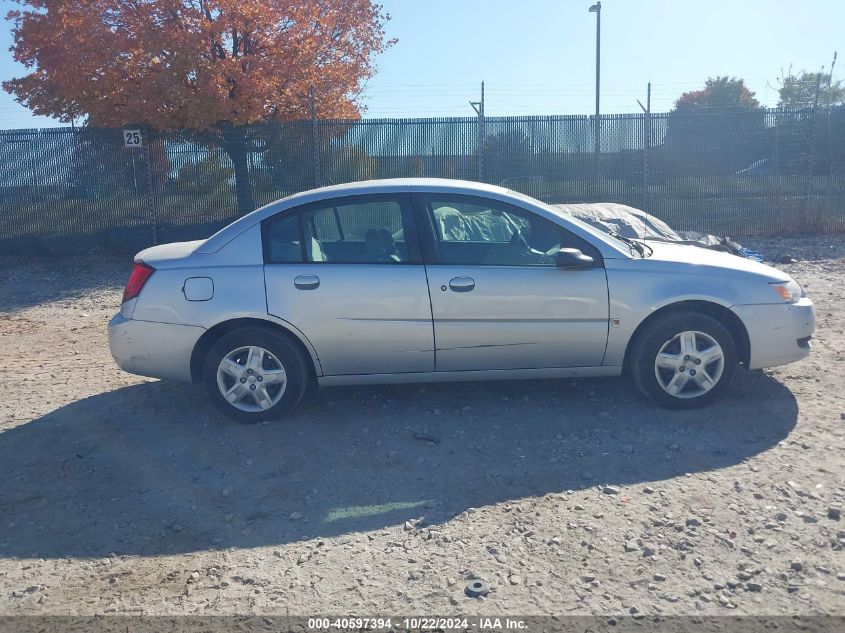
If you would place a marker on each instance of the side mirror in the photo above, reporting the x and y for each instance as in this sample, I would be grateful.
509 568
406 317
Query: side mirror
573 258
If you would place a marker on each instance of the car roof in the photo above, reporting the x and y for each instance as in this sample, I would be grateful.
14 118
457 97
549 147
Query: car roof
396 184
386 185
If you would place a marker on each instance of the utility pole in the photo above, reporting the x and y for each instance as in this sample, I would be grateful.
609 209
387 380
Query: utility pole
315 137
478 106
596 8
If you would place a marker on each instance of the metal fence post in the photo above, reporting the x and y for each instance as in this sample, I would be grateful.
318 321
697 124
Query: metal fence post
810 144
646 139
478 106
315 139
482 136
829 141
150 193
646 143
780 202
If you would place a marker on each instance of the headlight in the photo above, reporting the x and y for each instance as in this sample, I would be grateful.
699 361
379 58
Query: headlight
789 291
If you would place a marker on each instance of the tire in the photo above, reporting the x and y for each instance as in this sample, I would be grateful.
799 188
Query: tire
686 342
265 374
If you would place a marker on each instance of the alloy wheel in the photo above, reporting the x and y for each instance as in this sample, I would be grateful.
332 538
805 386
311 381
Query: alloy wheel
251 378
689 364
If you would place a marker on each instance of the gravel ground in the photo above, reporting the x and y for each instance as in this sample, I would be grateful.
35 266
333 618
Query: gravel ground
126 495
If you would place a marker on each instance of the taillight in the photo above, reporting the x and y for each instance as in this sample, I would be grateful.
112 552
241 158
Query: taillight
140 274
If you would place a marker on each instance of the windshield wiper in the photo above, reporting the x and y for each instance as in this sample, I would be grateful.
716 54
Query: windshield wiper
642 247
634 246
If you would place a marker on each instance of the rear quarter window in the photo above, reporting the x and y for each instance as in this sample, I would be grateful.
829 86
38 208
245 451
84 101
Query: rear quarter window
281 240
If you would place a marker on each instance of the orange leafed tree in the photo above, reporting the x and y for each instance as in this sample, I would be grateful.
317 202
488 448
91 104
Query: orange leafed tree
211 67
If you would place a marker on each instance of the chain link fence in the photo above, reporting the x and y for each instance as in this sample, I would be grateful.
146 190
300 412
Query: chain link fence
737 173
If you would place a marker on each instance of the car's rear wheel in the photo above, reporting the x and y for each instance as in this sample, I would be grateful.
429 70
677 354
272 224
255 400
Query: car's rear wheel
255 374
683 360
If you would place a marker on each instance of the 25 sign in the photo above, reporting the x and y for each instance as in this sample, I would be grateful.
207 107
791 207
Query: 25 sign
132 139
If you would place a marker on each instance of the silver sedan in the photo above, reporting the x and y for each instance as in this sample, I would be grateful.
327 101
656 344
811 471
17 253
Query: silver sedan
419 280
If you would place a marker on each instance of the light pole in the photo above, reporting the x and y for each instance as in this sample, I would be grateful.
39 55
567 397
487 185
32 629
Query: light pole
596 8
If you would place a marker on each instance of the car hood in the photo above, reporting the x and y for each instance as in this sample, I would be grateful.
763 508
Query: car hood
710 260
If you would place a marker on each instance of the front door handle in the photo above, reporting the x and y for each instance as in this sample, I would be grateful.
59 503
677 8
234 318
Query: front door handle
306 282
462 284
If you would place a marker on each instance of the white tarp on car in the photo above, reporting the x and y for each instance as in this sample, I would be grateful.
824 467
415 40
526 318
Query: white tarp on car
620 219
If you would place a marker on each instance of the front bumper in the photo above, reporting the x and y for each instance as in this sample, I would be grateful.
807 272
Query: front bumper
158 350
778 333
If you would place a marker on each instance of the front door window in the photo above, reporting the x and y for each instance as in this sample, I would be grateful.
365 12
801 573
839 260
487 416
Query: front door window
480 232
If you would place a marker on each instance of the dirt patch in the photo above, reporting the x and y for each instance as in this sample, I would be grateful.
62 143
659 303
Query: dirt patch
126 495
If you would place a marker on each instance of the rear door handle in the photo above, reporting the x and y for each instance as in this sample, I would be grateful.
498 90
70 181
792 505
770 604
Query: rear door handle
462 284
306 282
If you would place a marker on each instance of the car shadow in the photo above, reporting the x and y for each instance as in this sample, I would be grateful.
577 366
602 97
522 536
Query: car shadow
152 469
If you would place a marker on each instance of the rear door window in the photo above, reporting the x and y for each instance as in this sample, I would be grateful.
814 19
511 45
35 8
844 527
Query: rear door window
374 229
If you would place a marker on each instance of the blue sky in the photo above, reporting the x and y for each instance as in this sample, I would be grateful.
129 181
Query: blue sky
537 56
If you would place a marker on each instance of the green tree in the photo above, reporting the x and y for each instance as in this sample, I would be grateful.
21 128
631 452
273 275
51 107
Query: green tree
799 91
811 141
715 130
720 93
416 167
507 155
101 167
289 155
350 162
209 176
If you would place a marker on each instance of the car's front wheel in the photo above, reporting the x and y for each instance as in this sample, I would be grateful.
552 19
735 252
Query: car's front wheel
254 374
683 360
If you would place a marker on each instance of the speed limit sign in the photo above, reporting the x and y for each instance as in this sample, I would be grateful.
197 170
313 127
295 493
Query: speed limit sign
132 139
